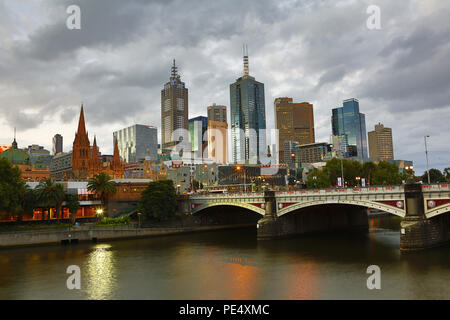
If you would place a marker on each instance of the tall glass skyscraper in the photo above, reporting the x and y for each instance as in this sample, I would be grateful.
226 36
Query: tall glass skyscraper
135 141
198 137
248 118
348 121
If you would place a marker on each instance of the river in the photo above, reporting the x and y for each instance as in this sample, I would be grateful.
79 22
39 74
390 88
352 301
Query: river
231 264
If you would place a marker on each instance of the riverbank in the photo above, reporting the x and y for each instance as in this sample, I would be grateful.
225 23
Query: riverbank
96 233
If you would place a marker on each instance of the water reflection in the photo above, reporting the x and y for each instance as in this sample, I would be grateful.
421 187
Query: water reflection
101 273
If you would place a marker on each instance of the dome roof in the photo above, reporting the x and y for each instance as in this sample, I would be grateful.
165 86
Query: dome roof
16 156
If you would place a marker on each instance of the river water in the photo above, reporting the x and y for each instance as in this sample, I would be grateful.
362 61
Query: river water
231 264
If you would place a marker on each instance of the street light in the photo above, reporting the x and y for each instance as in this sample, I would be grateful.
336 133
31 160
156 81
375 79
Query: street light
426 155
238 168
139 216
358 179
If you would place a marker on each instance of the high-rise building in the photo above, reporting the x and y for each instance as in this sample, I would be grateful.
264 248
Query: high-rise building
295 122
248 118
340 146
134 141
217 113
380 143
289 148
57 144
198 136
348 120
174 111
217 141
312 153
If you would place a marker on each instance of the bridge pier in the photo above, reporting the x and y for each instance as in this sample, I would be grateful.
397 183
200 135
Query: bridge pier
417 232
268 226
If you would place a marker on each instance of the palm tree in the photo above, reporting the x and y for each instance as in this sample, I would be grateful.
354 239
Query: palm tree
49 195
72 205
102 185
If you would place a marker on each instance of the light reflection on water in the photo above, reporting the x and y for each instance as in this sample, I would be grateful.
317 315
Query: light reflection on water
101 273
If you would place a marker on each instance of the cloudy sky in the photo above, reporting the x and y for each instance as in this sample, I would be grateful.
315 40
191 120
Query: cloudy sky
319 51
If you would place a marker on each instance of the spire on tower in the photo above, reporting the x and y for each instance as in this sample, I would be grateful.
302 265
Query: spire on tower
174 74
245 52
81 124
14 144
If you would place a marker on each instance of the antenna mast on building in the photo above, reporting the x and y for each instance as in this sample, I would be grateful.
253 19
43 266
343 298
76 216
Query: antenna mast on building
245 51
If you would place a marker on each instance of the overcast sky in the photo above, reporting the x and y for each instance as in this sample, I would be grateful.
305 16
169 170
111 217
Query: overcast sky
318 51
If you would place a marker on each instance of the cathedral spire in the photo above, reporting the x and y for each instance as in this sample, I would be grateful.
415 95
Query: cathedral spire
81 124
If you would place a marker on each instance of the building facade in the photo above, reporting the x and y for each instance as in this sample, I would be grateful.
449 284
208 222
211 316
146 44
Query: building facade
217 141
57 144
217 113
174 111
134 141
295 122
380 143
312 153
198 137
349 121
248 118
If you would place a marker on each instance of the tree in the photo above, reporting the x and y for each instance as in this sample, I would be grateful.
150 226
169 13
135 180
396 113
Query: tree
72 205
30 202
12 189
447 174
368 168
436 176
386 173
158 200
318 179
102 185
50 195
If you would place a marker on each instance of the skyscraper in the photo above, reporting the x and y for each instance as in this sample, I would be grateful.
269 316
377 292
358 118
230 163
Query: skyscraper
134 141
295 122
248 118
349 121
380 143
217 133
174 111
57 144
217 113
198 138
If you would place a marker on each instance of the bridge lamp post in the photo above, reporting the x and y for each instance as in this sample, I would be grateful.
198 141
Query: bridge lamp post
139 216
358 179
426 155
238 168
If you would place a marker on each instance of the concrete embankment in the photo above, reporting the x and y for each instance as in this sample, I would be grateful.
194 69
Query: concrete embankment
72 235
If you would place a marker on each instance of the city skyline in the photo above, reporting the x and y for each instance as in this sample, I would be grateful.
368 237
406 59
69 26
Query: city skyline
126 79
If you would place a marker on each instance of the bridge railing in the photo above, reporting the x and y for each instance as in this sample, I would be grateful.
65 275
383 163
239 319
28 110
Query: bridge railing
435 187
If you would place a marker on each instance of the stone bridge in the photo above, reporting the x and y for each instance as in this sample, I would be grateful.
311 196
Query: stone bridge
423 208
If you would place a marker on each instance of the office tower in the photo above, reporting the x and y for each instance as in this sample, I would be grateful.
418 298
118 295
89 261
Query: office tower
380 143
312 153
198 136
217 113
294 121
348 120
289 148
174 111
217 141
248 118
57 144
340 146
134 141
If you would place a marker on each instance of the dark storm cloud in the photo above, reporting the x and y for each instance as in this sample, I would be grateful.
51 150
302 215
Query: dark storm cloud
318 51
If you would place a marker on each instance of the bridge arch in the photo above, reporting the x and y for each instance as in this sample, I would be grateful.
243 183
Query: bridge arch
362 203
438 211
244 205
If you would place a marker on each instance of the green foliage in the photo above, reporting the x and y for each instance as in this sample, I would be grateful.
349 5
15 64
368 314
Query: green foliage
158 200
102 185
50 195
72 204
318 179
12 188
115 221
436 176
447 174
385 173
